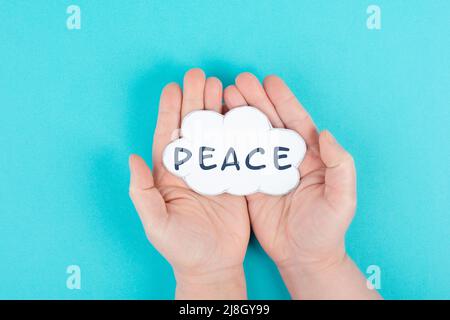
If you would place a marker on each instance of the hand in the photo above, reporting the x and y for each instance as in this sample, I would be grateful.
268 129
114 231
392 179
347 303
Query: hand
303 231
204 238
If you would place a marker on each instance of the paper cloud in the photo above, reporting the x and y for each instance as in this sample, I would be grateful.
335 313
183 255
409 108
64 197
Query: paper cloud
239 153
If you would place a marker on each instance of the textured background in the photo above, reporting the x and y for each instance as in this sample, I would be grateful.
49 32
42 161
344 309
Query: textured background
75 103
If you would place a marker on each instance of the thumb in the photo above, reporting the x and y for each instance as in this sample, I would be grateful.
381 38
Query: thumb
340 174
146 198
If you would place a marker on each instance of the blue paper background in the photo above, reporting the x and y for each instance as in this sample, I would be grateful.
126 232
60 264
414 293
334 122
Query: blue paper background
74 105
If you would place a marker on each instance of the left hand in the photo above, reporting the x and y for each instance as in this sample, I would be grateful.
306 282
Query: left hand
304 229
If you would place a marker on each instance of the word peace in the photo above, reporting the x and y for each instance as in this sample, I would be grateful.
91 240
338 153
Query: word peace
231 153
237 153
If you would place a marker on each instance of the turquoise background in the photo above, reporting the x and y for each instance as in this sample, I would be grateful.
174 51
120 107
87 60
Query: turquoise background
75 104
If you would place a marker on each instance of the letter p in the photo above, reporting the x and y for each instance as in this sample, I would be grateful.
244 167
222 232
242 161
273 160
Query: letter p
177 161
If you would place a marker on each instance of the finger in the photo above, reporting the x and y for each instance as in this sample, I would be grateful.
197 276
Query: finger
168 121
146 198
213 94
233 98
340 174
193 90
291 112
253 92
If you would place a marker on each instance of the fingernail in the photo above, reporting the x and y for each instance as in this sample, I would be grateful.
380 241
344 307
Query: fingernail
330 137
130 159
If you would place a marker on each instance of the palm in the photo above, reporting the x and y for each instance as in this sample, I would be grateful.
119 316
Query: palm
203 231
309 223
195 233
302 221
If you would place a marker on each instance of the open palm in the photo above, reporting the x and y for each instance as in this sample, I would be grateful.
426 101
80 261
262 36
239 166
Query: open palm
307 226
198 235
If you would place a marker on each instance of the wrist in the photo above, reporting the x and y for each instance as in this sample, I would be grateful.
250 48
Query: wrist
223 284
336 278
297 272
311 267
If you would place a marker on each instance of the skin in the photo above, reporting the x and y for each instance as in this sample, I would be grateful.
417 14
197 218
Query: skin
205 238
304 231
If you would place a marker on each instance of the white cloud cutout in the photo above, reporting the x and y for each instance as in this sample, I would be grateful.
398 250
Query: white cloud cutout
238 153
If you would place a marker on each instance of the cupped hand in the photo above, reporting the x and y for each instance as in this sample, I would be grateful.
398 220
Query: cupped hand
204 238
304 229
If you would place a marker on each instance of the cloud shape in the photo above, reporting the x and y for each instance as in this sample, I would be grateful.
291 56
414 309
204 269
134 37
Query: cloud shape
239 153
